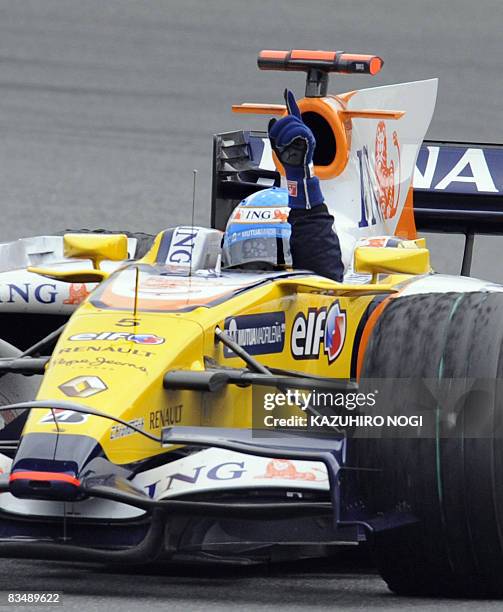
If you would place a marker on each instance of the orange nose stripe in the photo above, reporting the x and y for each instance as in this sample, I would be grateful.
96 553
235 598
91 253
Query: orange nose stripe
45 476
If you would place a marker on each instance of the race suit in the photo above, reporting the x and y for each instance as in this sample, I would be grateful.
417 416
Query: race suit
313 243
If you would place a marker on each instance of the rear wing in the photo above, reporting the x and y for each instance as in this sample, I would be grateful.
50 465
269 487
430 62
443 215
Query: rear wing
458 187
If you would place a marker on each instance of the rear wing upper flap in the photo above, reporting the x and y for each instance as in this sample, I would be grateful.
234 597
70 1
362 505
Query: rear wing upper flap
458 187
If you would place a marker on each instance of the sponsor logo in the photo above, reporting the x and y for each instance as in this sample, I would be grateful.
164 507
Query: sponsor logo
230 470
459 169
258 334
146 339
335 332
378 197
182 245
83 386
283 468
69 417
292 188
319 328
43 294
163 282
100 362
167 416
113 336
121 350
121 431
387 171
370 213
257 214
77 293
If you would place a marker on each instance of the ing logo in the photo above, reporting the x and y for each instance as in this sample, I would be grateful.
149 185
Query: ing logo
379 197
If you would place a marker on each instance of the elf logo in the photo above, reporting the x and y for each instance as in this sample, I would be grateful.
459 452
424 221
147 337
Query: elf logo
321 327
113 336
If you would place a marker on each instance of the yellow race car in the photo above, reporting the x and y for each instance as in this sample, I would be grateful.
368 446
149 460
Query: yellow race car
189 412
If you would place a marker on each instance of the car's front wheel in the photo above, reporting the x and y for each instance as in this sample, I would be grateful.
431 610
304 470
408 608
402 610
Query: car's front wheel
451 478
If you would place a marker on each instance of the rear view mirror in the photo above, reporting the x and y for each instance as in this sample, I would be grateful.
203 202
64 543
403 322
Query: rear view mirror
96 247
387 260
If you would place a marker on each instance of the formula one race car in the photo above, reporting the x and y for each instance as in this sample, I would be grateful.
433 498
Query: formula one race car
176 414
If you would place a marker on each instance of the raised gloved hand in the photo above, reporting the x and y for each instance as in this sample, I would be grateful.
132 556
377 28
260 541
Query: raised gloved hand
294 144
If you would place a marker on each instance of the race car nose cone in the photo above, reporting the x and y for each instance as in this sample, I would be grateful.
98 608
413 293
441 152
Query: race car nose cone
59 486
47 466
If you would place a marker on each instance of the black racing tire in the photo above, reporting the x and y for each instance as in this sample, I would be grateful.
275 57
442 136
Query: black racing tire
451 480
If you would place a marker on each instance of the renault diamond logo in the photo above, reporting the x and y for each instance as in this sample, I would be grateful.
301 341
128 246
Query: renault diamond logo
83 386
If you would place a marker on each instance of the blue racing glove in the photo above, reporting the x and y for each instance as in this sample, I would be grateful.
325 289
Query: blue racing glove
294 144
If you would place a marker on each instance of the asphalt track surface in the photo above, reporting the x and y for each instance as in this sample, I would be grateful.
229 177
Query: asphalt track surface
105 109
309 588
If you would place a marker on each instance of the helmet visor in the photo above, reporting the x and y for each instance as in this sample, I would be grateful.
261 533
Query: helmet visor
273 249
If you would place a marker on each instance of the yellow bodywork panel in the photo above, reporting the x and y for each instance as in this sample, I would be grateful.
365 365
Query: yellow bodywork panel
376 260
116 348
96 247
71 276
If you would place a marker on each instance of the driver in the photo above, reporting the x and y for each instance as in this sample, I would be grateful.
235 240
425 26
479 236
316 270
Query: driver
275 228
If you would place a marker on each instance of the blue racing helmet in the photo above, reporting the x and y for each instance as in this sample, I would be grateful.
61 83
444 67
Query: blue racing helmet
258 232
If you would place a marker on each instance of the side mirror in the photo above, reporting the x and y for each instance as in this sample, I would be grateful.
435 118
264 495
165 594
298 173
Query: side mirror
386 260
96 247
